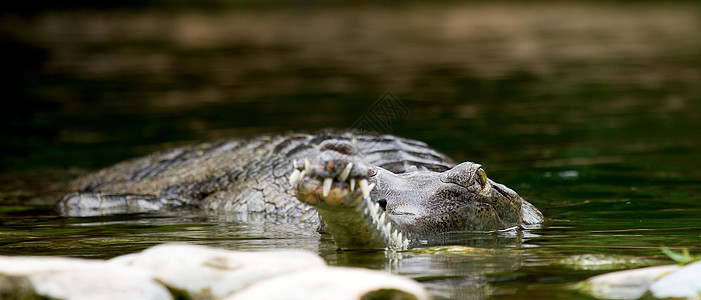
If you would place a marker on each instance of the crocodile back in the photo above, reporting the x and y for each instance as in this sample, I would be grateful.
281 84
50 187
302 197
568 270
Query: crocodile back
250 173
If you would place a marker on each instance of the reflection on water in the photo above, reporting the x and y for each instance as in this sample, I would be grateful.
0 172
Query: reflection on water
590 111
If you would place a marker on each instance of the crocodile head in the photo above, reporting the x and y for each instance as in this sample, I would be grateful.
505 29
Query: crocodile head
366 206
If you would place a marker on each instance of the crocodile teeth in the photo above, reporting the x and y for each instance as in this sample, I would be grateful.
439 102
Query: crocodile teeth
364 188
352 184
295 164
346 171
327 186
388 228
398 236
295 177
370 187
307 167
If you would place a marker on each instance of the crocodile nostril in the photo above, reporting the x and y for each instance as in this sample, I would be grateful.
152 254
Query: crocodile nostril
382 203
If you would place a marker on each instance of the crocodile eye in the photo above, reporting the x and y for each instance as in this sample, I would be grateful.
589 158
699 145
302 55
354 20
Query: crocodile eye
481 176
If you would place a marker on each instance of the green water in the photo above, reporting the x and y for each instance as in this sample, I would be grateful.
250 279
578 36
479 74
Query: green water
590 111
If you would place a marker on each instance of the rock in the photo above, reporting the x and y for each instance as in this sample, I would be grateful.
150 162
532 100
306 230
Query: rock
683 283
629 284
334 283
70 278
461 250
199 271
601 262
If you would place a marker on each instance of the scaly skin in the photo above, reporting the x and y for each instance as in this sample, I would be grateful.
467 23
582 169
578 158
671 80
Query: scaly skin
372 191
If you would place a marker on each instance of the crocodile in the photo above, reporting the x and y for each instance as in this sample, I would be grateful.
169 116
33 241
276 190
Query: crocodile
369 191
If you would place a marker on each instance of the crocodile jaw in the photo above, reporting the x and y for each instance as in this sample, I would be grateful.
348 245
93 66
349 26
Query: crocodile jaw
354 220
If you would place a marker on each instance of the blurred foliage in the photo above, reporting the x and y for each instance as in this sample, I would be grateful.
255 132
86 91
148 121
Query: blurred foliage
682 258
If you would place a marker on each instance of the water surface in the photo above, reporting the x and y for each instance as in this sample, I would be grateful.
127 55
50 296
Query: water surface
589 111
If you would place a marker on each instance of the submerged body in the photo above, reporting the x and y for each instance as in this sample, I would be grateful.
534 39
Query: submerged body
371 191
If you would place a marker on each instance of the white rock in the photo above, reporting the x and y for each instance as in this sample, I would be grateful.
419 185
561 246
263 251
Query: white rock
336 283
683 283
629 284
71 278
209 272
198 272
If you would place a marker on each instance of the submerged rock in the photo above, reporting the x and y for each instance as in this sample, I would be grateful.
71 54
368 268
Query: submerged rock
460 250
601 262
198 272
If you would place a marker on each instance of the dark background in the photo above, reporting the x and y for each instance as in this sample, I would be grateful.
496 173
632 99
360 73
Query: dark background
588 109
512 85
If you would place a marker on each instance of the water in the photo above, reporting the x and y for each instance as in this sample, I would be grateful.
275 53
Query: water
590 111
